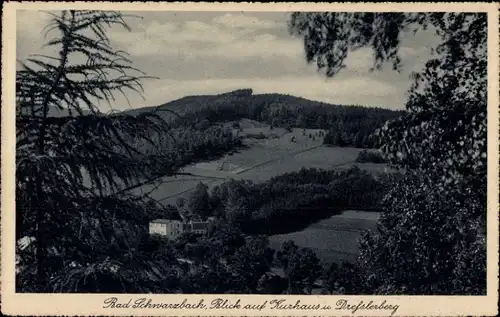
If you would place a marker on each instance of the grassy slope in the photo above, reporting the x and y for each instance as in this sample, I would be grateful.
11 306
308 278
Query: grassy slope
333 239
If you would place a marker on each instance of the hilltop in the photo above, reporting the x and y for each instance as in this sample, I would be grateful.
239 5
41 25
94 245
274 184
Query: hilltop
246 97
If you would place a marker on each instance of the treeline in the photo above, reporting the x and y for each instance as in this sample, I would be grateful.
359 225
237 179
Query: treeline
291 201
370 157
183 146
337 136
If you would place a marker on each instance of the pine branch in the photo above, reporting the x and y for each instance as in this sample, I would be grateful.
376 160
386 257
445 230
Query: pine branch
52 153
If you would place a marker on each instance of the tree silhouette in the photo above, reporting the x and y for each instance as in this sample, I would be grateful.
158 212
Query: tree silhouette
71 171
199 201
434 226
301 267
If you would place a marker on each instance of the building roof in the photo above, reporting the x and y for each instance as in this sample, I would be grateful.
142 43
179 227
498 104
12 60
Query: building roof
200 225
163 220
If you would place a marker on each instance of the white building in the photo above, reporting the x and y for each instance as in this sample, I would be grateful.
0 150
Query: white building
166 227
174 228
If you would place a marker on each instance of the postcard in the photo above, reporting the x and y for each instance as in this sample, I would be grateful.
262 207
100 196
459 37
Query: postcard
249 159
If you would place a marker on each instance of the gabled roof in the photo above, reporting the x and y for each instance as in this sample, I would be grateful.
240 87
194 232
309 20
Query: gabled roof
200 225
169 215
166 221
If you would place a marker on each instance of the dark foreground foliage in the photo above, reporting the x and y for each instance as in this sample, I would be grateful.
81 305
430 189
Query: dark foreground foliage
433 230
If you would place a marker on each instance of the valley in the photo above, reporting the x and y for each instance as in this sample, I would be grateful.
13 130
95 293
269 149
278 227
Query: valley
333 239
268 149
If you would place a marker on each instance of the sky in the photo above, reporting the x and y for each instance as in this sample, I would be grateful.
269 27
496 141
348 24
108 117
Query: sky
195 53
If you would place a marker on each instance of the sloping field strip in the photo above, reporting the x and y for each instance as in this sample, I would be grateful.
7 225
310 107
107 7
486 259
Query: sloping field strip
277 159
153 190
211 183
220 180
327 244
240 171
188 190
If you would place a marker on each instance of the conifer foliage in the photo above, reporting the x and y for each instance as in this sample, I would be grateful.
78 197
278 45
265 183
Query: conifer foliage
69 167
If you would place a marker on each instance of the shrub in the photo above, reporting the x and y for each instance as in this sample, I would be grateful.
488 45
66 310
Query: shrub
370 157
258 136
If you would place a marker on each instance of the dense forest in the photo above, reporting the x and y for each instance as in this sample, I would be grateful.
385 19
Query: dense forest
291 201
370 157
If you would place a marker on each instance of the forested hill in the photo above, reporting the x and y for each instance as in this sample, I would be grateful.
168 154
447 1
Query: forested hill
259 104
347 124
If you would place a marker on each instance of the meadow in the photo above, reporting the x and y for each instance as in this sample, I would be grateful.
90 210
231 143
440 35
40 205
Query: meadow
260 161
333 239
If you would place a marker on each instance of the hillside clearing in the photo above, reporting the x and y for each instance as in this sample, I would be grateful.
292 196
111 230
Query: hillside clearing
259 164
333 239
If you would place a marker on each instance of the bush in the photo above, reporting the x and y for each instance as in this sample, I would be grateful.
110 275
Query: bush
258 136
370 157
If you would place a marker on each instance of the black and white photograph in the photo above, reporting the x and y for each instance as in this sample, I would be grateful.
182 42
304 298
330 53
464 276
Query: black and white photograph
251 152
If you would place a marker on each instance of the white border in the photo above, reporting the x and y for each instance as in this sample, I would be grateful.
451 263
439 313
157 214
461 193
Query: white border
83 304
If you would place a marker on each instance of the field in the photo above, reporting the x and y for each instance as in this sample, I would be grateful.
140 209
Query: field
263 159
333 239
